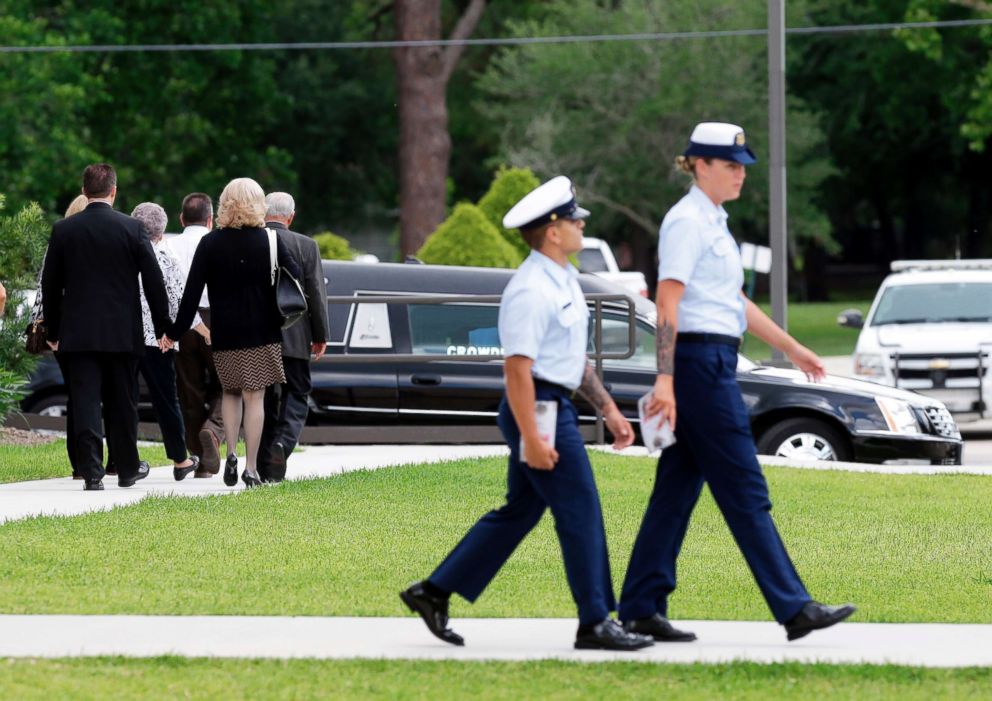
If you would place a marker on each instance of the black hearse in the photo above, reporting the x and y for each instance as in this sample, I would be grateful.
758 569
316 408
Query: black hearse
838 419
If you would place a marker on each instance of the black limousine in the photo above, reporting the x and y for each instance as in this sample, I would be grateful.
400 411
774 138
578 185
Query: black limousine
838 419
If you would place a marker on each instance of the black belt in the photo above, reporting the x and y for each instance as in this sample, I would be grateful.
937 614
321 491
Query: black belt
691 337
554 386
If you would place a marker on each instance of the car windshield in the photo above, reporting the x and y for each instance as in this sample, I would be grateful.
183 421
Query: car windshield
591 260
934 303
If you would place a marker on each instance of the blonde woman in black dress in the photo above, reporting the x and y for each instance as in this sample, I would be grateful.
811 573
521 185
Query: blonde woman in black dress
233 262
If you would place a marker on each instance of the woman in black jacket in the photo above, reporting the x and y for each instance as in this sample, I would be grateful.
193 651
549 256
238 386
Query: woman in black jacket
234 264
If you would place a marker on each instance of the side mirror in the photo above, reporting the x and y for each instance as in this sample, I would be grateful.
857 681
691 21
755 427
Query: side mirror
851 318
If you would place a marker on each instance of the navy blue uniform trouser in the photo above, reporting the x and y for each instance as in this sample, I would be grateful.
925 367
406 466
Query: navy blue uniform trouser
714 444
569 491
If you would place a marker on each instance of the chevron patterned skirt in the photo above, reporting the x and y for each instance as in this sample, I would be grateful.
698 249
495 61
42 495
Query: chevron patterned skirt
250 368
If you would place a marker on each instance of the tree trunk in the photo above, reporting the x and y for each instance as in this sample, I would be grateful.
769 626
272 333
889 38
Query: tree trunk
422 75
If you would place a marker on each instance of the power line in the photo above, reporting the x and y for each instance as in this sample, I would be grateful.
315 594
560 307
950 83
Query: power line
508 41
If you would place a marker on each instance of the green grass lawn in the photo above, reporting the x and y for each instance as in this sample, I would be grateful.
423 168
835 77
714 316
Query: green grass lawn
903 547
172 678
21 463
814 325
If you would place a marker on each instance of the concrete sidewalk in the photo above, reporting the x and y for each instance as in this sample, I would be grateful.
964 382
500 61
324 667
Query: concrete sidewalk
929 645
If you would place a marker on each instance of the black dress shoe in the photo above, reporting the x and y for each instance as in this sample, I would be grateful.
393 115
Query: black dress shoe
93 485
143 470
210 459
815 616
659 628
277 463
180 473
610 635
231 471
434 611
249 479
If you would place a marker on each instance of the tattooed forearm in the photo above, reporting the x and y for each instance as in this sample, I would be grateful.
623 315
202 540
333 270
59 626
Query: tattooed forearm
592 389
665 348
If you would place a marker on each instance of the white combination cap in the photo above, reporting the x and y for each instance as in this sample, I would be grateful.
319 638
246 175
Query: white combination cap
720 140
549 202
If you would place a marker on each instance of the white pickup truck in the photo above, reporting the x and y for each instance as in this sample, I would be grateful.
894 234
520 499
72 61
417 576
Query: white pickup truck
930 330
596 257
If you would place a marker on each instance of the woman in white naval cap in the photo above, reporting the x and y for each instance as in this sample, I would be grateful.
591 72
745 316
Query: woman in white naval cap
543 328
702 314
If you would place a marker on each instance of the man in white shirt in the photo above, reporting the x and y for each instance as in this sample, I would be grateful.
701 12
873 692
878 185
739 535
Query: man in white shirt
196 377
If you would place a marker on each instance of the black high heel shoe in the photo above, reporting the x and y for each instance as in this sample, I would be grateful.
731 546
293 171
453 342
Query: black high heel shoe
250 480
231 471
180 472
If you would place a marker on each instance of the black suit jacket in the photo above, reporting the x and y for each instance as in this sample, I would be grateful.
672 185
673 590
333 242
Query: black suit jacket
90 283
297 338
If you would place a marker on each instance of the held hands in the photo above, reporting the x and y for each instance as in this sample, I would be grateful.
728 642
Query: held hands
539 455
202 329
165 343
663 401
318 350
54 345
623 432
807 361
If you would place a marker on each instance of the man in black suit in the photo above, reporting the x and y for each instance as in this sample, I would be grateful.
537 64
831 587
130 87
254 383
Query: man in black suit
287 406
93 310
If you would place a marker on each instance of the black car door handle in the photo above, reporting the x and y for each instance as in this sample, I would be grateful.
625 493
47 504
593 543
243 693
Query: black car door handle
431 380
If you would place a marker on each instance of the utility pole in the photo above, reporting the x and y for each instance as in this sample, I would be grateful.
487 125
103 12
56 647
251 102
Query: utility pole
776 168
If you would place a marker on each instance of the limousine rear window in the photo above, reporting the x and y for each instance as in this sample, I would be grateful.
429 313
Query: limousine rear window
371 327
454 329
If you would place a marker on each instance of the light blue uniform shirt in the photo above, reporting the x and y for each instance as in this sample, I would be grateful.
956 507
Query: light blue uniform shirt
696 248
543 316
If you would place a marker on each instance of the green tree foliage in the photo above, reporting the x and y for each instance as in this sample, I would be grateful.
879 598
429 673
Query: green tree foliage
44 142
23 236
334 247
613 115
941 48
896 104
170 123
467 237
508 187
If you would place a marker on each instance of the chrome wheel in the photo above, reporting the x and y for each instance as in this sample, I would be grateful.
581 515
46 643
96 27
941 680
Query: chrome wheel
53 411
806 446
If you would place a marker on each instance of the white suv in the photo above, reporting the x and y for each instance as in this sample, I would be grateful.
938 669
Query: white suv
930 330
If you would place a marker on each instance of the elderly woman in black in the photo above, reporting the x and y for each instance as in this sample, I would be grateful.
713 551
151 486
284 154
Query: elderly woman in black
234 263
159 369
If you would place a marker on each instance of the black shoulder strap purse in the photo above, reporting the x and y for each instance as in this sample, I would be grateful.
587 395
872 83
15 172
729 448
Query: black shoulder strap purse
290 299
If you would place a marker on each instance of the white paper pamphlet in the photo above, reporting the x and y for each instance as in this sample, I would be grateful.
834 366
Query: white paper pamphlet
546 413
656 435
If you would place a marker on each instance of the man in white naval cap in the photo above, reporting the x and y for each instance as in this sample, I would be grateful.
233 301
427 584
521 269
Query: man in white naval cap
543 327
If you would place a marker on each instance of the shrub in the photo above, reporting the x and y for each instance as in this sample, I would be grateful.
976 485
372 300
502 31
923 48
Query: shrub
468 238
508 187
23 238
334 247
11 392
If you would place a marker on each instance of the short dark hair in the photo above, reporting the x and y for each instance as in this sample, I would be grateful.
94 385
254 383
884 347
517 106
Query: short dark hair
197 208
534 236
99 180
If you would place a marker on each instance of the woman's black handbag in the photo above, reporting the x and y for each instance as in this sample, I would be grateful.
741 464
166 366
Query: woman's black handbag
36 337
290 299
